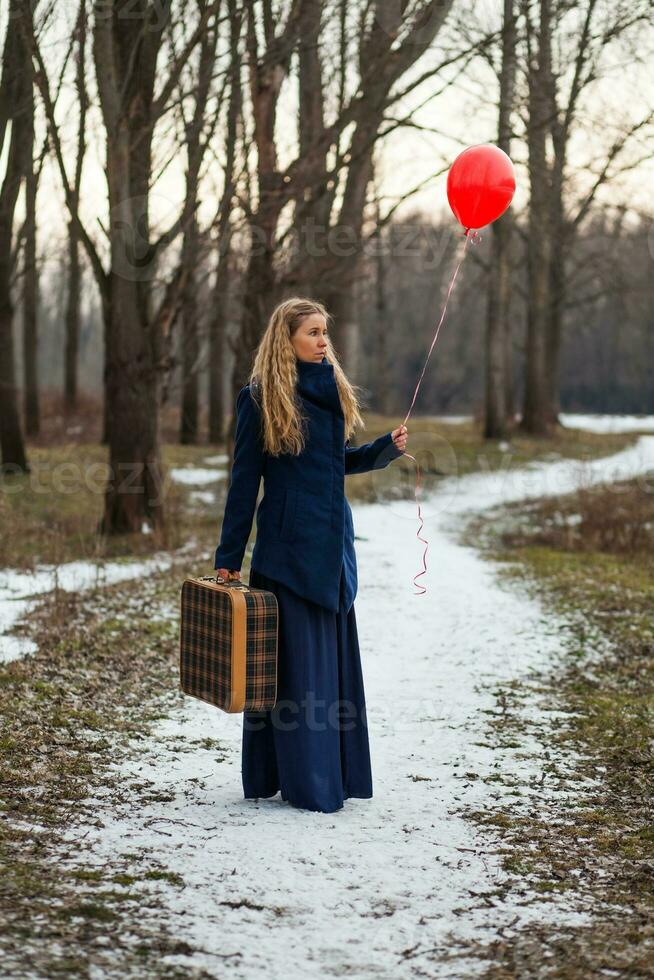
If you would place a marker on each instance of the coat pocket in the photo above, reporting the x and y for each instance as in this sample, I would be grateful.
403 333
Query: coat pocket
287 527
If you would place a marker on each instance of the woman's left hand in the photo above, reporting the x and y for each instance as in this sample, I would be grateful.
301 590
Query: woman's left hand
400 437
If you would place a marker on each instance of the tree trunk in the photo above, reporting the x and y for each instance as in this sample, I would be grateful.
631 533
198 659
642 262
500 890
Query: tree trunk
217 340
72 319
133 499
509 396
217 337
30 293
192 254
498 328
534 419
74 268
382 379
133 496
218 320
133 381
342 280
188 434
16 99
495 421
557 287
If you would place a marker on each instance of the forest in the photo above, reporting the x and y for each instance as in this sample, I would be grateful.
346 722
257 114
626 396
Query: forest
172 171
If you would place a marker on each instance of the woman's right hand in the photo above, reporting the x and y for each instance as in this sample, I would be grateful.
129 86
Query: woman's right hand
400 437
228 573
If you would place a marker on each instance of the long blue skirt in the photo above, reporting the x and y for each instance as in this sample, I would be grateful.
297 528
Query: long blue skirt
313 745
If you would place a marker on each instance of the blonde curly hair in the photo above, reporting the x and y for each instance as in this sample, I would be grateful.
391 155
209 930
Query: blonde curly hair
274 375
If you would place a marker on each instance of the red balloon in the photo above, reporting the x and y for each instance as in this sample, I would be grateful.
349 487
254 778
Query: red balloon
480 185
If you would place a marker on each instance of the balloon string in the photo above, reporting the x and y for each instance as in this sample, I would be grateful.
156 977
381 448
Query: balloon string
447 298
475 238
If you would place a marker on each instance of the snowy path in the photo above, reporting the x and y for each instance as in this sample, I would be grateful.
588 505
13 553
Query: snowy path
374 889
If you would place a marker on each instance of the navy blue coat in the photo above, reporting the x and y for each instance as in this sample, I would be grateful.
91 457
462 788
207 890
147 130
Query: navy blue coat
305 533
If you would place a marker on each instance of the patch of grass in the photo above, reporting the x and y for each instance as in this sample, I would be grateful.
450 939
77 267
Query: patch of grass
89 910
105 669
66 710
474 453
169 876
594 838
54 510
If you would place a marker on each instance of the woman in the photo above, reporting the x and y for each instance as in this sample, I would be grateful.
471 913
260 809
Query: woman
293 425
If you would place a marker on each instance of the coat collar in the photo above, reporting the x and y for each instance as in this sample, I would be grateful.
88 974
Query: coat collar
317 383
309 367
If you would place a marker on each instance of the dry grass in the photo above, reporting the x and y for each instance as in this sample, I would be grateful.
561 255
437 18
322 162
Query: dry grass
616 519
53 511
595 841
98 673
105 670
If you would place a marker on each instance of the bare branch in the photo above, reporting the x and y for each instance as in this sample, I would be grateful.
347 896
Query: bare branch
160 102
603 175
43 85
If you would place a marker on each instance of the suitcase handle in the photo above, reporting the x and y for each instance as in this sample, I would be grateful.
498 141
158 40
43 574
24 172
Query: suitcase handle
232 583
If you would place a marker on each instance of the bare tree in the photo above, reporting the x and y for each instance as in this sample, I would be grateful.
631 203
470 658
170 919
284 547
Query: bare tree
389 42
218 315
30 269
74 267
498 410
127 42
268 69
539 70
196 141
580 34
599 28
16 121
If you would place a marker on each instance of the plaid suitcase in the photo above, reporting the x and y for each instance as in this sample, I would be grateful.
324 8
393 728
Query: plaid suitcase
228 644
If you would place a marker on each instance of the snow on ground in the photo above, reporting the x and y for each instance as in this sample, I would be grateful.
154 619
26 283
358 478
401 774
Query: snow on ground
591 423
205 497
352 892
18 589
608 423
271 890
194 476
479 491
